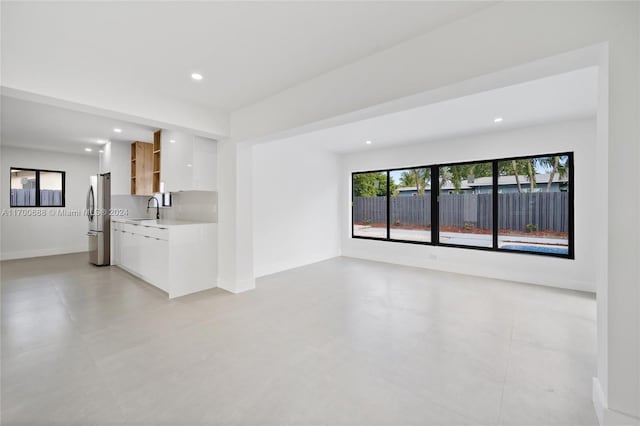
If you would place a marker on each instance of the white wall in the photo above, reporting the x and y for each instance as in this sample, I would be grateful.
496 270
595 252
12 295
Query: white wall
295 206
29 236
116 159
576 136
235 217
638 189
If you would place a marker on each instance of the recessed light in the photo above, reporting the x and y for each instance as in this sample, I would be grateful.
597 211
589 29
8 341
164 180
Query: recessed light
497 120
188 165
368 142
117 130
196 76
172 141
102 141
101 151
88 149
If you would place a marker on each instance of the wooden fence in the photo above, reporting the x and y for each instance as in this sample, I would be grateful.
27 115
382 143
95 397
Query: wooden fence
548 211
27 197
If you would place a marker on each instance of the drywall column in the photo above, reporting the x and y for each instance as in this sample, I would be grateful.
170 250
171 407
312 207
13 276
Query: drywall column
235 234
638 136
623 346
600 382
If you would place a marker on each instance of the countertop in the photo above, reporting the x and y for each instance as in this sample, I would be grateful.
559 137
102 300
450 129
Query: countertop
162 223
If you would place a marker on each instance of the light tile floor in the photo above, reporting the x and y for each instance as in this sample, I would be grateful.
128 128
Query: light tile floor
343 341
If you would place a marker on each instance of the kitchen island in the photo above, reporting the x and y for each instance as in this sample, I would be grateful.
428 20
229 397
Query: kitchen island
179 257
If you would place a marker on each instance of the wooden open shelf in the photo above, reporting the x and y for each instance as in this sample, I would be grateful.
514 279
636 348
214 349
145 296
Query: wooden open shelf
156 160
141 168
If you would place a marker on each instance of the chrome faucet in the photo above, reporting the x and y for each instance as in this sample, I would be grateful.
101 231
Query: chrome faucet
157 206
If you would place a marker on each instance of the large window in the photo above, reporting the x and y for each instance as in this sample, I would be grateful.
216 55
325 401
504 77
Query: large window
522 205
36 188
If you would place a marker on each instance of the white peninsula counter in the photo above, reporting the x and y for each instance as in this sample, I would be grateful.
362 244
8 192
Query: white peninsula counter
178 257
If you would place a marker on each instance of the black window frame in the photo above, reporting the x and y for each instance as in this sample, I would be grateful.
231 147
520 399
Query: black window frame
388 233
435 211
37 173
494 216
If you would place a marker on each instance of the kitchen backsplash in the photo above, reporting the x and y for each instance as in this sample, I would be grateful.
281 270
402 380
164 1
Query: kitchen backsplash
134 205
199 206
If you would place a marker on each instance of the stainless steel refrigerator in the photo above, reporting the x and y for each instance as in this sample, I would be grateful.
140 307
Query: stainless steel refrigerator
98 206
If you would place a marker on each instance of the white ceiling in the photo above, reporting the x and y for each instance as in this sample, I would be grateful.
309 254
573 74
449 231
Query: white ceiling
34 125
566 96
561 97
246 51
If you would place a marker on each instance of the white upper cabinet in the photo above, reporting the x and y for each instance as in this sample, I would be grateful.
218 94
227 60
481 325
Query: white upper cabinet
188 162
205 164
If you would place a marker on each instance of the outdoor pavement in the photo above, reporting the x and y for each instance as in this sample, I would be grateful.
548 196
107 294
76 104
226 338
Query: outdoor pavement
476 240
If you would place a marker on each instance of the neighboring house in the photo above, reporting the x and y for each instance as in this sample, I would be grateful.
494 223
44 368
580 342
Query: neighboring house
506 184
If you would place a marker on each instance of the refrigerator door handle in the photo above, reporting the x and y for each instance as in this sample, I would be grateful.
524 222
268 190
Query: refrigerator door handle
90 204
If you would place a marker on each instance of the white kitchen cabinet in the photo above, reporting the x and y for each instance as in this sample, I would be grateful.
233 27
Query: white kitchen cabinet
115 243
154 258
189 163
179 259
129 256
205 164
158 251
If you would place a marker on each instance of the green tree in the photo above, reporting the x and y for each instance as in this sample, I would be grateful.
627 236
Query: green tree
459 172
531 174
407 179
372 184
420 178
516 173
558 164
519 168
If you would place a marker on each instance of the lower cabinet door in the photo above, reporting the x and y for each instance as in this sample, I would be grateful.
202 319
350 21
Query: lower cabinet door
158 268
115 240
136 252
146 256
125 249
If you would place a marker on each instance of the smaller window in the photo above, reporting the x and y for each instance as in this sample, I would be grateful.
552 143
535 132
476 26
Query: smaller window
466 204
370 204
37 188
410 205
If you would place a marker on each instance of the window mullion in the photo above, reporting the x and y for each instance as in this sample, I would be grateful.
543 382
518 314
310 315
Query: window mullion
388 205
37 188
435 213
495 204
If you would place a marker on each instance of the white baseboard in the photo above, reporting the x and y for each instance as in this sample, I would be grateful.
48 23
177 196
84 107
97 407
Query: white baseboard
485 271
25 254
192 287
237 286
606 416
286 265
